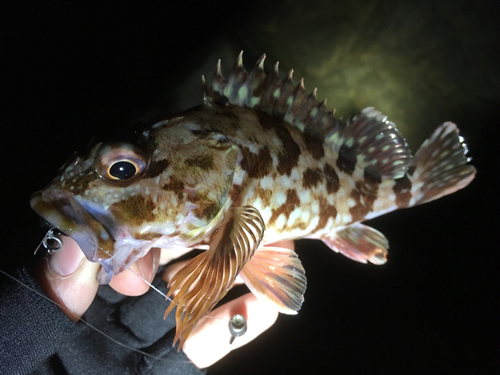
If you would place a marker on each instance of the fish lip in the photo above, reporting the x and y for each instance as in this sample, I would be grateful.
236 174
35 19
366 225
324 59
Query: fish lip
65 213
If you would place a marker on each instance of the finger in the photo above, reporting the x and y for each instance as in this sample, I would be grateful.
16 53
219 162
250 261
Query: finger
131 282
168 255
69 278
288 244
209 340
172 269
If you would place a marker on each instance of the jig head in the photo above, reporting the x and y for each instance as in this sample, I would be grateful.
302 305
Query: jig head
237 326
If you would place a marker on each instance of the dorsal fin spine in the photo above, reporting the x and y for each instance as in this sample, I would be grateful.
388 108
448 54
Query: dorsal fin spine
272 95
368 140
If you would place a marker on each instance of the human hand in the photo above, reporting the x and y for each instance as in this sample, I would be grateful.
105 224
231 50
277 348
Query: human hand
209 340
70 280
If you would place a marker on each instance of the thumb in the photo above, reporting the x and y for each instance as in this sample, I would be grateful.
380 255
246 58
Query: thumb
69 279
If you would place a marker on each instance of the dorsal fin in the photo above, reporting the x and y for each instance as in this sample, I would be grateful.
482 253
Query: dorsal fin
370 145
272 95
367 144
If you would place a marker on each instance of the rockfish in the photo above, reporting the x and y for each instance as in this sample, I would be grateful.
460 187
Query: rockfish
260 160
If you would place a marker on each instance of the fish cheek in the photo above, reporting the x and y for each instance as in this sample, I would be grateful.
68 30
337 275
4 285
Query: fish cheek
135 210
209 211
176 186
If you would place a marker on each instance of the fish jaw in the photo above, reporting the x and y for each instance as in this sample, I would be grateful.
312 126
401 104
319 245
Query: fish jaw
64 212
101 236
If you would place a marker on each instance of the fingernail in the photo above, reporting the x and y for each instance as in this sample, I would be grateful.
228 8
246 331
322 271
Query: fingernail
67 260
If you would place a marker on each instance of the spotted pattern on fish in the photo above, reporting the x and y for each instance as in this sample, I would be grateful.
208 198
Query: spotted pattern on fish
261 160
327 212
156 168
136 209
364 195
311 177
257 165
176 186
346 161
332 179
402 189
204 162
291 201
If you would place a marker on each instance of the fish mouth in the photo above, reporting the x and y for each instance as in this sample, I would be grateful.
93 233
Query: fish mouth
65 213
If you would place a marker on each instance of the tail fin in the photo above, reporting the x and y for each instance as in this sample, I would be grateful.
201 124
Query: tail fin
440 165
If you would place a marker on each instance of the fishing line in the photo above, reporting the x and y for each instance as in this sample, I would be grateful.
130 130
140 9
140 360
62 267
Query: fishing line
151 285
52 243
67 312
164 295
234 323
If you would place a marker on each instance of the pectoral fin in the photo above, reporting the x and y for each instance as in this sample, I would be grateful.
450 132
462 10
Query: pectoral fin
275 274
202 283
360 243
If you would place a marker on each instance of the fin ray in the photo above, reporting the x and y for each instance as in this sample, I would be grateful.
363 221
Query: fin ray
440 165
276 275
204 281
361 243
371 146
272 95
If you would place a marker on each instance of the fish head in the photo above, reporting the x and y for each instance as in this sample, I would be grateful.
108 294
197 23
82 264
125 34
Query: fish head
120 199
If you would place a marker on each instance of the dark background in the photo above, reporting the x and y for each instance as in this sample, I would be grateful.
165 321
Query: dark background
70 69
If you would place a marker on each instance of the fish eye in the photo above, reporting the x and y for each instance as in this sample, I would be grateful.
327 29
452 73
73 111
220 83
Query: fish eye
120 163
122 170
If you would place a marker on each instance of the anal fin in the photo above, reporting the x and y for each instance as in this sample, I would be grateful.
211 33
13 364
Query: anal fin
276 275
360 243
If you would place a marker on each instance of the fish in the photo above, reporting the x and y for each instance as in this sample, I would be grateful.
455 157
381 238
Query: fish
260 160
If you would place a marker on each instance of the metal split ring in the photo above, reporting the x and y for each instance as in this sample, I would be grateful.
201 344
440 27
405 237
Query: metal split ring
51 241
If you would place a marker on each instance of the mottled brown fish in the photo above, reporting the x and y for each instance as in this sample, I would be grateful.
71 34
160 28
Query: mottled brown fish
261 160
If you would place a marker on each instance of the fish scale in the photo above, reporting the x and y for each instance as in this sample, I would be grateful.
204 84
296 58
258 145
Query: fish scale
261 160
